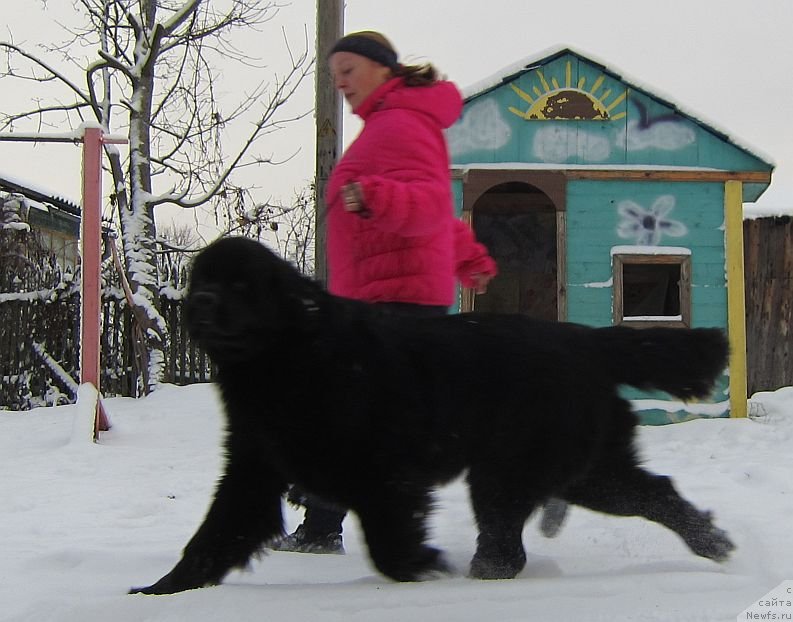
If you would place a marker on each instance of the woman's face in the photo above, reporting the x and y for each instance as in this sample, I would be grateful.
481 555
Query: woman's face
356 76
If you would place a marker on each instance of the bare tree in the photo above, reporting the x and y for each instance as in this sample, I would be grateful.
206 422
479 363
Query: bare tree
295 230
152 77
177 243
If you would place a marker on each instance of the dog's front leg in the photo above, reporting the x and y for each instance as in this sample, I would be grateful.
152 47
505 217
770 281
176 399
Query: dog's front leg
245 513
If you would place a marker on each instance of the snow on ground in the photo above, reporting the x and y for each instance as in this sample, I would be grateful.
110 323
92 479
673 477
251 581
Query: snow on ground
82 522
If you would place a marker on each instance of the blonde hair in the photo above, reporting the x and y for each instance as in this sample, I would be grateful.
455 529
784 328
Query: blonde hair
417 75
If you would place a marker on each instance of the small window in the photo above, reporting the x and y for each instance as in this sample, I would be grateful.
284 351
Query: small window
652 290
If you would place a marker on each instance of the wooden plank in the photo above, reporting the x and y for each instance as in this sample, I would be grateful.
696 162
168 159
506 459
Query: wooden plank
667 175
561 265
632 174
328 115
736 310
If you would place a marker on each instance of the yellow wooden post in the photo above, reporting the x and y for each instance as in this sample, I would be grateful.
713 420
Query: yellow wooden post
736 302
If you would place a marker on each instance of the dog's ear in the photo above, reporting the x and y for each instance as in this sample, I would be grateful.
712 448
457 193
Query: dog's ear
295 298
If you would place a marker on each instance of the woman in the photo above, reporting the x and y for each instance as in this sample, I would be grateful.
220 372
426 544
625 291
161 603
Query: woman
393 238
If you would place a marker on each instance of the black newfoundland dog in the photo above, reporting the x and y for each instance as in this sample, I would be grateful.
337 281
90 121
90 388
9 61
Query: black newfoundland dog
373 411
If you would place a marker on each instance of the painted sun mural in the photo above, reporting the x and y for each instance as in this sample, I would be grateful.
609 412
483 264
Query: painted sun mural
560 99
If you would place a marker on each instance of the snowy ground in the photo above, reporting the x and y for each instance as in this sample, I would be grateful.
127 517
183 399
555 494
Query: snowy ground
83 522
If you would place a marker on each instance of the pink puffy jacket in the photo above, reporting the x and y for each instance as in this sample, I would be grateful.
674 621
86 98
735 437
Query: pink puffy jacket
407 245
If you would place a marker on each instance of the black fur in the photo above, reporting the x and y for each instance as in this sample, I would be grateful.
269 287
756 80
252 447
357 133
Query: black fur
373 411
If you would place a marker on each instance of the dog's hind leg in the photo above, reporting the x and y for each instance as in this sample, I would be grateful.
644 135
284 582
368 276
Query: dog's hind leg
628 490
501 508
394 524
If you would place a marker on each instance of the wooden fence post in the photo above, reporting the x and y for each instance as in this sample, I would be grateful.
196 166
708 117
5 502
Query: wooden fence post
330 24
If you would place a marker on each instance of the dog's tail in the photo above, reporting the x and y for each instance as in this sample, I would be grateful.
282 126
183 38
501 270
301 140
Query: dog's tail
683 362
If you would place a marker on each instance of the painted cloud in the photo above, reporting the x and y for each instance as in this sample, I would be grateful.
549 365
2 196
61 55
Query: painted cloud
667 135
560 143
482 127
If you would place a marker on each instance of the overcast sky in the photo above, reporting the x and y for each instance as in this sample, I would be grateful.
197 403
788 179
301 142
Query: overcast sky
728 62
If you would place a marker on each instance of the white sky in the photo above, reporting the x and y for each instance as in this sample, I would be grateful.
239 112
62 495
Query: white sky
728 62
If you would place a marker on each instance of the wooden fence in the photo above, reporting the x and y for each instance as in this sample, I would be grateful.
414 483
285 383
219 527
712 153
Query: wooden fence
768 259
40 348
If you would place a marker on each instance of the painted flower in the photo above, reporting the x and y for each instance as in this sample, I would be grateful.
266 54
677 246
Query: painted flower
648 226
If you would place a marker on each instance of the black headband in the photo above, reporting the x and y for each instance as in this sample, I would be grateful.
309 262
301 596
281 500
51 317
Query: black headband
368 47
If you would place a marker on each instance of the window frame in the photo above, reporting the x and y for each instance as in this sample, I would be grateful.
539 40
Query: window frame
620 259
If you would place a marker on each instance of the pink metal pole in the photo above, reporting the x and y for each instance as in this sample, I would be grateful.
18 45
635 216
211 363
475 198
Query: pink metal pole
91 237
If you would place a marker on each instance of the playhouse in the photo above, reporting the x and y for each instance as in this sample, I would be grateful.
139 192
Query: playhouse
603 204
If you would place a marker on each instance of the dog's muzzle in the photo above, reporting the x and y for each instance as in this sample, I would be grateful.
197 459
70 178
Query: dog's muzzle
202 308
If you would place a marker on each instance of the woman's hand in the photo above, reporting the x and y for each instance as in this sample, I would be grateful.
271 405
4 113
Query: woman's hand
481 280
353 197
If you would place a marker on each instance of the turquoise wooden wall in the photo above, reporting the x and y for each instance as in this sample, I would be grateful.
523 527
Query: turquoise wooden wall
596 218
597 214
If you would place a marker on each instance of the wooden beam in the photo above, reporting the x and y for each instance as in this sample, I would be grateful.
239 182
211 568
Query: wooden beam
669 175
756 177
330 27
561 265
736 302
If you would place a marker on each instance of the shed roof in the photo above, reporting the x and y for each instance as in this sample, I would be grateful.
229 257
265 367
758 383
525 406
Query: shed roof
514 70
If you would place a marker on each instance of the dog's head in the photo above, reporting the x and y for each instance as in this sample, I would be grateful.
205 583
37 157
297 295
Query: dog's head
242 299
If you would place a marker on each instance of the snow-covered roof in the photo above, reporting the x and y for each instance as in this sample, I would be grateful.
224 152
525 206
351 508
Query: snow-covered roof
513 70
579 167
38 196
751 211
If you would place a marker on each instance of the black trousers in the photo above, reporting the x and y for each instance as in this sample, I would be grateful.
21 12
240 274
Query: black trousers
323 517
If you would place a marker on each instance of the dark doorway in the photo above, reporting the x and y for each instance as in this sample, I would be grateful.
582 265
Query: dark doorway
517 223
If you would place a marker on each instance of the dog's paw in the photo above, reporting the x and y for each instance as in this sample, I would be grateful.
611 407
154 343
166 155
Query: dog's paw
438 568
714 544
494 569
149 590
168 585
426 563
554 513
